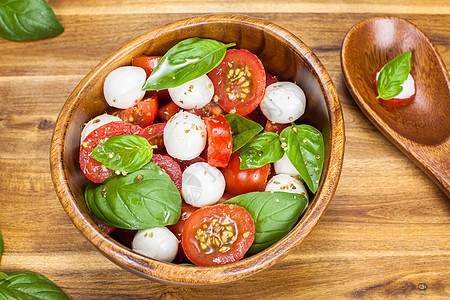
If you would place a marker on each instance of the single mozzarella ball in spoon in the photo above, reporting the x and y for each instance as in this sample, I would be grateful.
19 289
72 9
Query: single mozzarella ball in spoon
185 136
158 243
286 183
202 184
123 86
96 123
408 86
283 102
193 94
284 166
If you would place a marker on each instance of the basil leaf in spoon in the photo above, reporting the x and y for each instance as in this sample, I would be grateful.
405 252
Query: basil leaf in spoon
392 75
261 150
304 147
27 20
187 60
126 152
242 130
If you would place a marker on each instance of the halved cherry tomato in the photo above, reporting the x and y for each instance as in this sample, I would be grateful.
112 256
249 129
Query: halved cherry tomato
92 168
239 81
171 167
270 79
142 114
168 111
149 63
219 141
275 127
186 163
154 135
257 116
217 235
177 229
209 110
239 181
103 227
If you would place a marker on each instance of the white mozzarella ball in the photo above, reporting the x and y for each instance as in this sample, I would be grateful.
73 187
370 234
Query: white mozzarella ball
202 184
96 123
123 86
185 136
286 183
158 243
283 102
284 166
193 94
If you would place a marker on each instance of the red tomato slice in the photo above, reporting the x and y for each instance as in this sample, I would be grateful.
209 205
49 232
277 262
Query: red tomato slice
275 127
149 63
92 168
171 167
168 111
142 114
217 235
154 135
219 141
239 181
177 229
239 81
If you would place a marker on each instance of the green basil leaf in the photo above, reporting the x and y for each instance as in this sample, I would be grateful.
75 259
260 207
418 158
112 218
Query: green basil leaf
146 198
1 245
126 152
187 60
305 149
261 150
274 214
242 130
3 276
392 75
26 20
29 285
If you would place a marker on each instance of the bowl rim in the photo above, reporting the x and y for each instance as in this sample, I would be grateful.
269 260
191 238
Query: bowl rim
162 271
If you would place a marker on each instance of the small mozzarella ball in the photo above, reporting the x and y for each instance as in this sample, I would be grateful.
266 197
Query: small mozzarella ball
202 184
283 102
123 86
284 166
408 86
193 94
158 243
286 183
96 123
185 136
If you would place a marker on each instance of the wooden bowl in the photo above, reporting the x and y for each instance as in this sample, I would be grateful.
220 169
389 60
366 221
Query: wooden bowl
283 54
420 129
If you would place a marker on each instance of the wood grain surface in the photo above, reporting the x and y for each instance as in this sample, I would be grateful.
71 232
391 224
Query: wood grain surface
386 233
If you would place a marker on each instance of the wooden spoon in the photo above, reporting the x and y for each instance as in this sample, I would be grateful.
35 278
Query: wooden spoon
420 129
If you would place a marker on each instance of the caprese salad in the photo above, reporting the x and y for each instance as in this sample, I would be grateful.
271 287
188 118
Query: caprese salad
202 158
394 83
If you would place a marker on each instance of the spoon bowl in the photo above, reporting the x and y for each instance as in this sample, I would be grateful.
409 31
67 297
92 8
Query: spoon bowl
420 129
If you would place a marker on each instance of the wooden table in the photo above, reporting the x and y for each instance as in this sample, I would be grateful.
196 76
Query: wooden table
386 233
